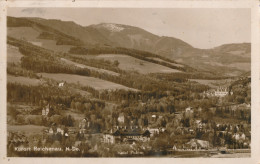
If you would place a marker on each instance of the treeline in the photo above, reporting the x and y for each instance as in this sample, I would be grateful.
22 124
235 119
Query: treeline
38 95
14 69
239 113
241 91
98 63
37 64
185 76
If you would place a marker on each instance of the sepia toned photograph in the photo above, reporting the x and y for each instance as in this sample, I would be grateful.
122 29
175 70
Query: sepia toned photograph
128 82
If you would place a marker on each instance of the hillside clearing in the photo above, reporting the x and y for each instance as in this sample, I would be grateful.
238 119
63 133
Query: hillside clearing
241 66
31 35
89 67
95 83
24 33
129 63
13 54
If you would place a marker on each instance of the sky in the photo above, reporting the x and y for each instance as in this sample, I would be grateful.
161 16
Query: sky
202 28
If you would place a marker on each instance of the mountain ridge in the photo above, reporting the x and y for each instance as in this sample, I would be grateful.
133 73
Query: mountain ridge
225 57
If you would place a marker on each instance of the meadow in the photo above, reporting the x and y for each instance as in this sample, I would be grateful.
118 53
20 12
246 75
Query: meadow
31 35
14 56
95 83
129 63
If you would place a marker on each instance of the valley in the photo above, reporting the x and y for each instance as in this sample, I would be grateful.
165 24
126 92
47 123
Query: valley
114 90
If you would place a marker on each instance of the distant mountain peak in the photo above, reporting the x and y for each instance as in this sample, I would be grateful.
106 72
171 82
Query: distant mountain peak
111 27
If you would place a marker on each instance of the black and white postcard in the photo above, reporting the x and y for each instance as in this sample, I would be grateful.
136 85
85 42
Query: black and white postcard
126 81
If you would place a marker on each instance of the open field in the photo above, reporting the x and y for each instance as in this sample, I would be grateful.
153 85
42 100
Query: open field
13 54
23 80
130 63
241 66
31 35
51 45
95 83
25 33
89 67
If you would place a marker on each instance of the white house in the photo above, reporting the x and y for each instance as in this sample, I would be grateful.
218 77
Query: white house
61 84
46 110
121 118
59 130
221 92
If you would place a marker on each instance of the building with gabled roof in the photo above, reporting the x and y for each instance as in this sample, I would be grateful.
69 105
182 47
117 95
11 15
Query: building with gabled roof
125 135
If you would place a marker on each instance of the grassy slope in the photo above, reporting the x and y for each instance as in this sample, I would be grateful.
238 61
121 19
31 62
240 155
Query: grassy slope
129 63
85 81
13 55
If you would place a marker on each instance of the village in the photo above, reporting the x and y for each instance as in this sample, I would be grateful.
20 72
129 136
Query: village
139 138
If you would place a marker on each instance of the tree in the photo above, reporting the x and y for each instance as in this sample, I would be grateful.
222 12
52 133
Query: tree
13 111
116 63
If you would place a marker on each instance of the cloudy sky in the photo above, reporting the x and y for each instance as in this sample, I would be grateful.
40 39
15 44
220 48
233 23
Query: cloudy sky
202 28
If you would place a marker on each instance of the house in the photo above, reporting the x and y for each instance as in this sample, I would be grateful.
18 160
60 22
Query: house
112 137
219 92
174 148
189 112
198 124
152 119
55 130
139 136
197 144
61 84
239 137
189 109
61 131
51 131
46 110
83 125
154 131
121 118
66 135
129 136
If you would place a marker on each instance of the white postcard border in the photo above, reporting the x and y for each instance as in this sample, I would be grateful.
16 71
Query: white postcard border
255 62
